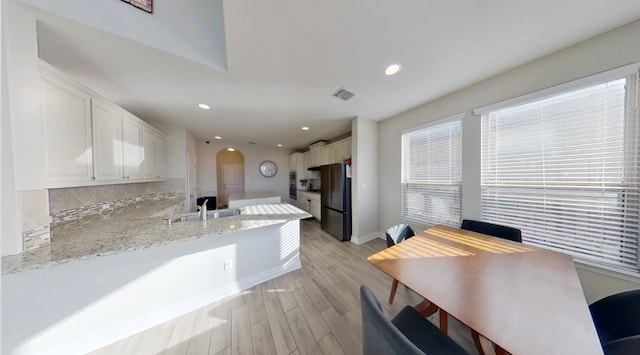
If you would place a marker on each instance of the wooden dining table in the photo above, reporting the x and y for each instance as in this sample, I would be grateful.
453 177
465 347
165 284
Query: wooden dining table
525 299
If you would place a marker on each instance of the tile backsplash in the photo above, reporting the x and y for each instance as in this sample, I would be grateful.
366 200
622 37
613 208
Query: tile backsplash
35 218
69 204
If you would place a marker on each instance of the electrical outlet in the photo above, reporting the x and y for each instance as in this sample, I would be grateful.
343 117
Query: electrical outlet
228 265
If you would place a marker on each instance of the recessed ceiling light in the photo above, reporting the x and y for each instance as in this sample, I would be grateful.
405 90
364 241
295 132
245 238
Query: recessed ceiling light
217 137
230 149
305 128
392 69
204 106
279 145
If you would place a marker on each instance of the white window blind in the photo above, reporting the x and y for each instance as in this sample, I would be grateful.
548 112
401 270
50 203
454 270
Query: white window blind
431 173
564 169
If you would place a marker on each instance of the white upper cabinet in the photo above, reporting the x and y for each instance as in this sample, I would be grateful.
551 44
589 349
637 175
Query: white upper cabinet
293 162
160 156
91 141
67 120
132 147
343 150
154 153
107 141
317 153
150 163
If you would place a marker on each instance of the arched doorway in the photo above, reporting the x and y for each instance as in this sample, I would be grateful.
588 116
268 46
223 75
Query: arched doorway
230 174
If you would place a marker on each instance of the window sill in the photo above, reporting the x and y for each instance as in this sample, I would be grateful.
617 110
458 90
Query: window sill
608 271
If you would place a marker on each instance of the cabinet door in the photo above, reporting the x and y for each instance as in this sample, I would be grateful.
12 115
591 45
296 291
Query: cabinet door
315 207
329 155
132 147
161 157
307 164
301 169
150 164
107 141
293 162
67 119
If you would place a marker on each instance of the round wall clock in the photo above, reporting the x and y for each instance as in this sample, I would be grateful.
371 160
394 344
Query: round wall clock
268 168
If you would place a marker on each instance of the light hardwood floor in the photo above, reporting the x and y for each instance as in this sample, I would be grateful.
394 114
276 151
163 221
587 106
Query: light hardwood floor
314 310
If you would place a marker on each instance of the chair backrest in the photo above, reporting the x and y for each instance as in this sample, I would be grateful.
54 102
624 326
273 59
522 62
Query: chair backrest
617 316
494 230
398 233
379 335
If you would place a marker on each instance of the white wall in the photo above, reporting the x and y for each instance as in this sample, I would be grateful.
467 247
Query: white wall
192 29
253 155
364 181
24 96
607 51
23 158
11 242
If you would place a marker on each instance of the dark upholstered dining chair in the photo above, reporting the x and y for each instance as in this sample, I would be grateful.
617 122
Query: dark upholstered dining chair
494 230
617 320
395 235
407 333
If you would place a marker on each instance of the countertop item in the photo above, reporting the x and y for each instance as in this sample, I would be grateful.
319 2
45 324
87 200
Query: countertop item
138 227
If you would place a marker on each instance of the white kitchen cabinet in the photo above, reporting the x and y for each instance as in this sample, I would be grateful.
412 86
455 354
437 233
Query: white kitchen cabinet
329 154
309 202
67 121
317 153
132 147
89 138
342 150
107 141
296 163
154 153
160 156
307 164
315 205
150 164
293 162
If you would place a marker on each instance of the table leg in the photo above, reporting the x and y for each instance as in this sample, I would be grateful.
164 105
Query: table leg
444 321
394 287
476 340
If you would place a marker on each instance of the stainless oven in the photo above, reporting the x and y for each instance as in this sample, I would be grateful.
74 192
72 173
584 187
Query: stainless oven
293 191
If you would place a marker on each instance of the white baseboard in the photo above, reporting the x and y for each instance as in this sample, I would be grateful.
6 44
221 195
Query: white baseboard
366 238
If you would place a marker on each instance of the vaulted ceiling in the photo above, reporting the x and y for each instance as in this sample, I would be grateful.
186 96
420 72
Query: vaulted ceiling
285 58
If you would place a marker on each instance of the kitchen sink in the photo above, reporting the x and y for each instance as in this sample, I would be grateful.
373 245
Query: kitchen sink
210 215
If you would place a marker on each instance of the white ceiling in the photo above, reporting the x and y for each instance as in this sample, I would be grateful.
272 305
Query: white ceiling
286 57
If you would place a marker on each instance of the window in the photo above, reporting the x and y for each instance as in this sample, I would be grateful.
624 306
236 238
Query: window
564 169
431 172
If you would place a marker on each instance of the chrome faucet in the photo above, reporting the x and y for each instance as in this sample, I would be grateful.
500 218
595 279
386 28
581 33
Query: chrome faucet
203 210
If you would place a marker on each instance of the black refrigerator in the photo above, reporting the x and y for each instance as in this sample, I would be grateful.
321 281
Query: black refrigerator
335 198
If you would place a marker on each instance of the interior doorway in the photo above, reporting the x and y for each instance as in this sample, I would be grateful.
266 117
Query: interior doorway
230 174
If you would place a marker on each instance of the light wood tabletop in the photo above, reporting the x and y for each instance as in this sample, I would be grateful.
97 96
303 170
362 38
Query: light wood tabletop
525 299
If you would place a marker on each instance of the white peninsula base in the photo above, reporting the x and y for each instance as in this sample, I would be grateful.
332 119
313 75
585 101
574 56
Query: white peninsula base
80 306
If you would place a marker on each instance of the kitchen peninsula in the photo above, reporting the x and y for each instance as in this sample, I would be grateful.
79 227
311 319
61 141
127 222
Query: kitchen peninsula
107 277
241 199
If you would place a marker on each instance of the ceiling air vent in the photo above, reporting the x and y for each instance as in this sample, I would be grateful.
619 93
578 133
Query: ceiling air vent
343 94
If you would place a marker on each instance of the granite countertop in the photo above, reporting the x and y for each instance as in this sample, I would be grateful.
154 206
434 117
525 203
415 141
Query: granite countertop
138 227
251 195
317 192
